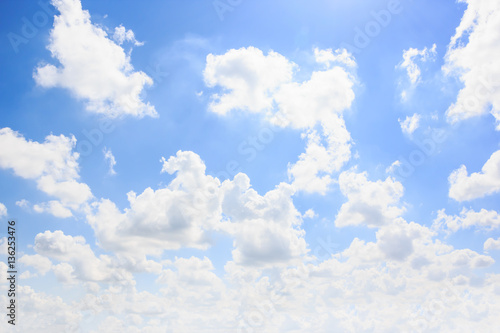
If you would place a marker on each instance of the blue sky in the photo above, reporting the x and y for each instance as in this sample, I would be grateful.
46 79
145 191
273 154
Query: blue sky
191 157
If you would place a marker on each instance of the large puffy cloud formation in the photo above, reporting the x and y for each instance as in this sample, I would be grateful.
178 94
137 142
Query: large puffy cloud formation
464 187
92 66
373 204
254 82
194 206
52 164
404 279
437 288
472 55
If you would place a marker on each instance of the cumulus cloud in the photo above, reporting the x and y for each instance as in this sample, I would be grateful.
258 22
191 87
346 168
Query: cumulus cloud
180 215
249 78
392 168
410 58
193 206
255 82
468 218
472 56
40 263
265 228
410 124
77 260
373 204
52 164
53 207
492 244
312 172
43 313
3 210
328 56
464 187
110 159
122 35
23 203
92 66
396 240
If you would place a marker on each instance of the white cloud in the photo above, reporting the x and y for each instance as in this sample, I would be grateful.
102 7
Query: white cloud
3 210
185 213
410 58
312 172
180 215
249 78
40 263
374 204
465 187
472 56
327 57
392 168
53 207
492 244
78 261
43 313
468 218
92 66
410 124
255 82
266 228
396 240
23 203
52 164
110 159
309 214
121 35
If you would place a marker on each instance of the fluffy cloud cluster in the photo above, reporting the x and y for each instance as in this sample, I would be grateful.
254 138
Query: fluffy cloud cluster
472 55
365 287
465 187
52 164
78 261
194 206
492 244
183 214
255 82
265 228
411 56
92 66
373 204
404 279
410 124
468 218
